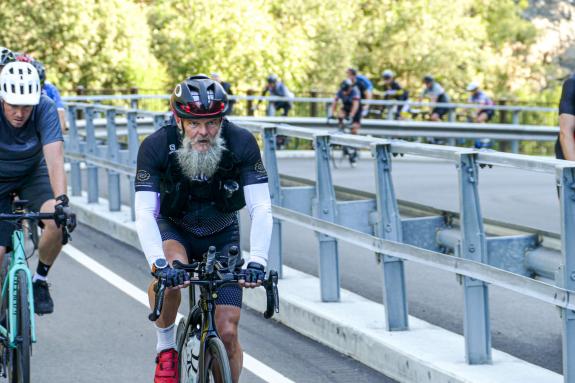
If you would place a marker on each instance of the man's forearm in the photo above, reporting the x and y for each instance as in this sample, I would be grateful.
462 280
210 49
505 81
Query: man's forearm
54 154
566 138
354 108
62 117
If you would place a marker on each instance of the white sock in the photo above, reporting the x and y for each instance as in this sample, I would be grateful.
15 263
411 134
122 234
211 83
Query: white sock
166 337
38 277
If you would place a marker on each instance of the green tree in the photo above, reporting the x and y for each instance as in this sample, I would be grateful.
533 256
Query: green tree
95 43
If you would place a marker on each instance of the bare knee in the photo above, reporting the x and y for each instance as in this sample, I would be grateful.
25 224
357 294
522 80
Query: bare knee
229 335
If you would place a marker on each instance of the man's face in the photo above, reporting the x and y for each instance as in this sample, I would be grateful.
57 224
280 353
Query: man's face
17 115
203 133
388 80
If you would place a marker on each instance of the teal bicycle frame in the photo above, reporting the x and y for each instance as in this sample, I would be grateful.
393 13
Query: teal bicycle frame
10 285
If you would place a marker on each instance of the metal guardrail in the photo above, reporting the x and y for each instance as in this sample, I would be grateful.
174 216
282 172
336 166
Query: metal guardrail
375 224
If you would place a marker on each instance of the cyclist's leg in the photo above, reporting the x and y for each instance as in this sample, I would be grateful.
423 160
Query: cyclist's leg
174 246
37 190
6 228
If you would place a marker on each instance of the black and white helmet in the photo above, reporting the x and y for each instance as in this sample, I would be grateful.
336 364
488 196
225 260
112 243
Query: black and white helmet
20 84
199 97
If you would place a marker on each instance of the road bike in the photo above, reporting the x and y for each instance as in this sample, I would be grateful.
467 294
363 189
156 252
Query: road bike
348 152
17 324
202 357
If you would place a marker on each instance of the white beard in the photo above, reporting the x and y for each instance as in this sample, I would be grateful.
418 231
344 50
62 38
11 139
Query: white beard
200 166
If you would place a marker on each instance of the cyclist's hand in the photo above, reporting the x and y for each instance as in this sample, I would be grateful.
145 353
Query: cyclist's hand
174 278
253 275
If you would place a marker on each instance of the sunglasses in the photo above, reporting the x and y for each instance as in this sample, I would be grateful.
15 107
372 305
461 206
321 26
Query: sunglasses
215 107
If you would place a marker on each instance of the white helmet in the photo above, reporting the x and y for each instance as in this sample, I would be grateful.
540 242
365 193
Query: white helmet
472 87
388 73
20 84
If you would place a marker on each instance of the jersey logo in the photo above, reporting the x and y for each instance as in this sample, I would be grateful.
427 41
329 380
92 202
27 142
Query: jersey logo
172 148
143 175
260 168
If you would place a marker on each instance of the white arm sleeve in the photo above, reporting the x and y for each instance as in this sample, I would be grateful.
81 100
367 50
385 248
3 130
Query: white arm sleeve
147 208
260 208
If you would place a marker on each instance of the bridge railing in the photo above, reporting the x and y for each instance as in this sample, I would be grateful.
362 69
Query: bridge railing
456 243
319 106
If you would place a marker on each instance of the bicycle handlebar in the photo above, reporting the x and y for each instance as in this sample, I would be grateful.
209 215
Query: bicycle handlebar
219 277
62 216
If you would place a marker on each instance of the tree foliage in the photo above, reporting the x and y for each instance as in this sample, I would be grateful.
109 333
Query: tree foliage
308 43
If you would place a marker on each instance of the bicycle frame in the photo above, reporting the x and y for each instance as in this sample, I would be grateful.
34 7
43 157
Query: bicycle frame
208 330
17 263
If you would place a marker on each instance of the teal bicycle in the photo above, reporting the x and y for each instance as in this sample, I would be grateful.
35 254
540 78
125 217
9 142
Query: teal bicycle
17 325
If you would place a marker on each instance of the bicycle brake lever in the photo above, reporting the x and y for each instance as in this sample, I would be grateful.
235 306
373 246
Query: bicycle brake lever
272 294
159 289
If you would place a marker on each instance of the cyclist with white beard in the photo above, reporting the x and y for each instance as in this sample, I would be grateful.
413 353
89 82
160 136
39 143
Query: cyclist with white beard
193 175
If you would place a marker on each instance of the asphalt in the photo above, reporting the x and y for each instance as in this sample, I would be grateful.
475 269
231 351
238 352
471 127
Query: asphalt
98 333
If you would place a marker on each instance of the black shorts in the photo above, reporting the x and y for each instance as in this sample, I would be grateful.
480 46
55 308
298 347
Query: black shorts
356 118
488 112
34 188
440 111
196 247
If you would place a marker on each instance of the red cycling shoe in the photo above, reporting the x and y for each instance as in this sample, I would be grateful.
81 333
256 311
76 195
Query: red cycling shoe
167 367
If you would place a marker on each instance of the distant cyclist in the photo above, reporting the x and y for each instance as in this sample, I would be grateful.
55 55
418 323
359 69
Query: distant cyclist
6 57
51 91
350 110
482 114
364 85
393 91
477 96
277 88
436 94
31 165
565 144
228 88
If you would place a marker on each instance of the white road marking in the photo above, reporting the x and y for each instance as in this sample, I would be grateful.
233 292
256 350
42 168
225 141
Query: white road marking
258 368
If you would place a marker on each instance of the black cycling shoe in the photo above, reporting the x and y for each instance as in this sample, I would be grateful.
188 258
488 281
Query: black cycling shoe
43 303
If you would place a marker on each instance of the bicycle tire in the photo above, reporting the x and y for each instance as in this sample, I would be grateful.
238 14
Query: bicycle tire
216 362
187 341
19 366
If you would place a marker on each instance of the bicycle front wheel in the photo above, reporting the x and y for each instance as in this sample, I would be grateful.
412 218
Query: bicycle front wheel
19 366
216 363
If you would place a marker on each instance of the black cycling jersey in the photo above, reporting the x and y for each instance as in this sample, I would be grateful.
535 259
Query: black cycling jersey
566 106
153 157
398 94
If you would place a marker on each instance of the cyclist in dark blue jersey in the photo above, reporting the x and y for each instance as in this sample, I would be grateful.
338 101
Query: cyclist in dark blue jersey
565 144
193 176
31 165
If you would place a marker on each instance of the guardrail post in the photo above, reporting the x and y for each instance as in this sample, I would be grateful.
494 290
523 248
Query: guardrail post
114 195
133 146
391 111
80 92
515 143
91 150
74 145
476 326
134 101
158 122
275 253
325 208
451 118
389 227
566 180
250 103
313 105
